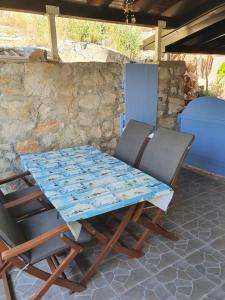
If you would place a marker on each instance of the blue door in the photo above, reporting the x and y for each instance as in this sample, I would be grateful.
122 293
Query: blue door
141 92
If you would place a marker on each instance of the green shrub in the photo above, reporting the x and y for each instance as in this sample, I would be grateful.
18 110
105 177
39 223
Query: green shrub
221 70
125 39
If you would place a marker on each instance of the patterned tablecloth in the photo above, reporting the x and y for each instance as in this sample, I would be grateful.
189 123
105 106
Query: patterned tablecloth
83 182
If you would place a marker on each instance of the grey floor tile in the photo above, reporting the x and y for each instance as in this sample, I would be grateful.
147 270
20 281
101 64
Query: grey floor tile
219 244
210 263
217 216
181 214
216 198
204 229
122 273
150 289
217 294
184 281
157 256
186 243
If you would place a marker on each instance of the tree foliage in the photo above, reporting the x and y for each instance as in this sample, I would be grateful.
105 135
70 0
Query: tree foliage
124 39
34 32
221 70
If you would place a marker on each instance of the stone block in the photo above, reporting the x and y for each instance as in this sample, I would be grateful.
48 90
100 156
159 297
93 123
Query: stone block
46 126
164 73
5 147
4 166
89 101
173 90
176 100
174 108
95 132
85 118
116 125
12 69
27 146
108 97
18 110
167 122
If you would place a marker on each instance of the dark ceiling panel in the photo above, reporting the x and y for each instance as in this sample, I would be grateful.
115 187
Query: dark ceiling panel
176 12
161 5
103 3
209 40
75 9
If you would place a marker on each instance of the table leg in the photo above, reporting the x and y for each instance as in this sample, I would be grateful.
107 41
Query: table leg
109 245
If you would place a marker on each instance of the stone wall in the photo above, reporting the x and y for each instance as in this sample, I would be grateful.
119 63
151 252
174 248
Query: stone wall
46 106
170 92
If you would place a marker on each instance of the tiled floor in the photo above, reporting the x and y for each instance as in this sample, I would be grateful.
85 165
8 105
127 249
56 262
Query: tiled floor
191 268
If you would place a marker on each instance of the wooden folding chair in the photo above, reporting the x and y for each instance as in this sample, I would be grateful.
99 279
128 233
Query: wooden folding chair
31 199
36 238
162 158
133 141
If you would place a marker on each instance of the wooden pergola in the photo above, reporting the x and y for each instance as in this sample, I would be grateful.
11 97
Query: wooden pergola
192 26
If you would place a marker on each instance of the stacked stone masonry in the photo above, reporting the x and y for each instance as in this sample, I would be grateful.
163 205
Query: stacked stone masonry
170 92
45 106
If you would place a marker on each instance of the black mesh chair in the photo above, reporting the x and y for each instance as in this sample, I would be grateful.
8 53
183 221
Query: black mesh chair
24 196
39 237
132 142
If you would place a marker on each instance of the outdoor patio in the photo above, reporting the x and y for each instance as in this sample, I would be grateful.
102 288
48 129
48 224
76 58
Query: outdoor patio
191 268
101 146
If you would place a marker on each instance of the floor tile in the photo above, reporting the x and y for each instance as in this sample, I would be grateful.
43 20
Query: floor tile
184 281
157 256
210 263
122 273
219 244
204 229
217 294
150 289
186 244
217 217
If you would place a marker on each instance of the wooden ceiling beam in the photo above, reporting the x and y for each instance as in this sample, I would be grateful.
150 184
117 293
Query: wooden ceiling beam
196 50
201 10
205 36
203 22
74 9
102 3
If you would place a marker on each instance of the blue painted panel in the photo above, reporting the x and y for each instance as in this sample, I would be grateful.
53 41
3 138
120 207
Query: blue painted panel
205 118
141 92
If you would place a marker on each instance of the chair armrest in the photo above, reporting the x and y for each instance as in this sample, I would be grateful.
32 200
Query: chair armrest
41 239
14 177
23 200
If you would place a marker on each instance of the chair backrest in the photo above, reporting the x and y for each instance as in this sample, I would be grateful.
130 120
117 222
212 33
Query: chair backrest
131 141
164 154
10 231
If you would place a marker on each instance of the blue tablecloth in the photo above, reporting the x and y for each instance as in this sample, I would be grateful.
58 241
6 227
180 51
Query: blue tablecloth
83 182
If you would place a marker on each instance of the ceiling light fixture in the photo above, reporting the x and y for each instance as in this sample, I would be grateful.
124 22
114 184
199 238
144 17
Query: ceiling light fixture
128 6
